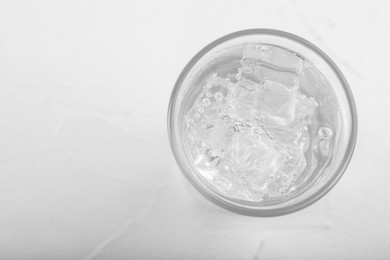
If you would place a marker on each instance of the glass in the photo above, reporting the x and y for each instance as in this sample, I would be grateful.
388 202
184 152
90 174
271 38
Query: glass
262 122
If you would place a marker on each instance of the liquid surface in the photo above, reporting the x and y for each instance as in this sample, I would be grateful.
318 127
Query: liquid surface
252 133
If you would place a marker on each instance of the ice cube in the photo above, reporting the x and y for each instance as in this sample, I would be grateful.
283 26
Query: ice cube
244 94
220 135
208 105
283 180
252 162
277 101
273 55
264 62
265 72
211 141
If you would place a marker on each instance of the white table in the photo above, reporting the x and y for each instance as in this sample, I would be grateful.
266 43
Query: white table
86 171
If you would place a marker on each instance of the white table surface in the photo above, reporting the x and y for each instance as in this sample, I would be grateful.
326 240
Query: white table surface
86 171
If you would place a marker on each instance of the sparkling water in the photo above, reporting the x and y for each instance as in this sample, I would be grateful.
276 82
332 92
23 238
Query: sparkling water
255 133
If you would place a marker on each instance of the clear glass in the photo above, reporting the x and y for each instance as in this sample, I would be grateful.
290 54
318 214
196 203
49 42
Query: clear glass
275 100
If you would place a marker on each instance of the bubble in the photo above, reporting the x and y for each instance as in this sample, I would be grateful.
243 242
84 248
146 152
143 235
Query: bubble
325 132
247 69
201 110
324 147
218 96
206 102
208 94
259 118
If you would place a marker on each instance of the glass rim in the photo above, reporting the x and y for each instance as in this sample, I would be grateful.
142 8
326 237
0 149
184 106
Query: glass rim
264 212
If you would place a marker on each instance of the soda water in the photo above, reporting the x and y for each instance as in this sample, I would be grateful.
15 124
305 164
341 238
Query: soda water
255 132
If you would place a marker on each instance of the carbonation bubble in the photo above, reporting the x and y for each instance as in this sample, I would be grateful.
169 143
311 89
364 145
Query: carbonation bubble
218 96
206 102
325 132
324 147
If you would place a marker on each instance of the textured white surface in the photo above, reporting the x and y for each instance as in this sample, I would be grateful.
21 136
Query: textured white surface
86 171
